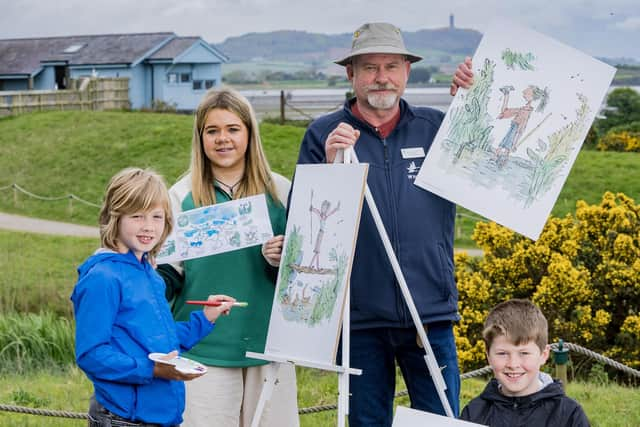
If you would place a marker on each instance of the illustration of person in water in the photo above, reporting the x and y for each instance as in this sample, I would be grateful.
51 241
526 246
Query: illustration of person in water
519 118
323 213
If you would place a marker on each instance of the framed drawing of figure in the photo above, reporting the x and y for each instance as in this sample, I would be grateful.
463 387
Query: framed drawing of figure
322 226
506 145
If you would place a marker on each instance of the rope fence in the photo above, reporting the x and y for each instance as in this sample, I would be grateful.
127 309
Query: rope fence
71 197
321 408
17 188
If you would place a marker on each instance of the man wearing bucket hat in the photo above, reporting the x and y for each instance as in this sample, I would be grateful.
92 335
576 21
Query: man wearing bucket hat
393 137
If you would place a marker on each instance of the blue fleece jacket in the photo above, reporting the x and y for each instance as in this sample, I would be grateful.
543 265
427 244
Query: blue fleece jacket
121 316
420 224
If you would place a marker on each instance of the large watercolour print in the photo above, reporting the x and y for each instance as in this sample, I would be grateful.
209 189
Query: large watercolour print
322 227
507 144
218 228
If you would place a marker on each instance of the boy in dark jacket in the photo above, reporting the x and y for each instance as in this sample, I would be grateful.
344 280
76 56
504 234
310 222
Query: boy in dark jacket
515 335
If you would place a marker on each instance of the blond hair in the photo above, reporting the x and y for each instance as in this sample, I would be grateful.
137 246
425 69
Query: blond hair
519 320
257 174
129 191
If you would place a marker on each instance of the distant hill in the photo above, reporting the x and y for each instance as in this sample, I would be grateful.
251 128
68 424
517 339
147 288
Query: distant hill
288 50
302 46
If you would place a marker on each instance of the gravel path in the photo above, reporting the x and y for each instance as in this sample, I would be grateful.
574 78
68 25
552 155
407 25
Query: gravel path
34 225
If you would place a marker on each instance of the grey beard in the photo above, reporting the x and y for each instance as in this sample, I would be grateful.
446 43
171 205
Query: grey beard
382 102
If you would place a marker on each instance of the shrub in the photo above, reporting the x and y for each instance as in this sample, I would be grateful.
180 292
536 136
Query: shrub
591 140
160 106
629 127
620 141
623 106
583 272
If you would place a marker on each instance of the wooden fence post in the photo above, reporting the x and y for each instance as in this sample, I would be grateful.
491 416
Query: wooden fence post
282 101
560 358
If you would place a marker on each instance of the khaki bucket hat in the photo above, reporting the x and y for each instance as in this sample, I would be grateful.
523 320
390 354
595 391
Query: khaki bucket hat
377 37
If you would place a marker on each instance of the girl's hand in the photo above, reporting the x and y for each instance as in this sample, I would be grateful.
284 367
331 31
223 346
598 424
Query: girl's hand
212 313
169 372
463 77
272 250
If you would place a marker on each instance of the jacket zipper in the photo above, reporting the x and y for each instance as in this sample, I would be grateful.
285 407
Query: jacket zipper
400 303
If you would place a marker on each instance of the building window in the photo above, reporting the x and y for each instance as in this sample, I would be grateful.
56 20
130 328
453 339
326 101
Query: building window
208 84
197 85
185 77
74 48
172 78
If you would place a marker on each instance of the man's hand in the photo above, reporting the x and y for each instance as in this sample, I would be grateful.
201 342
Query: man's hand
342 137
463 77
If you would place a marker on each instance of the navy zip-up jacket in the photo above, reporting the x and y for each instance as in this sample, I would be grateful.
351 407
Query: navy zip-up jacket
420 224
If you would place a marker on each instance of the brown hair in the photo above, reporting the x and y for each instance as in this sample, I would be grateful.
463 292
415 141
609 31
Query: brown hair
257 174
519 320
129 191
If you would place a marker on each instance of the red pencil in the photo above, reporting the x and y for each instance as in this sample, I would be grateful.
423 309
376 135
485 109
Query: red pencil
217 303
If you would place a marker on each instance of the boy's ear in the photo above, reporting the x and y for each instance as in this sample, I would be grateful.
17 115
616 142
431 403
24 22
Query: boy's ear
545 353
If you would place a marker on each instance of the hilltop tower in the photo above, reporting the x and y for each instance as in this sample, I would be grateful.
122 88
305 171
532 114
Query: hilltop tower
451 23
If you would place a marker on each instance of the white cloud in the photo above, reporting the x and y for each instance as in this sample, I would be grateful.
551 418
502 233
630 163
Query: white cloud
630 24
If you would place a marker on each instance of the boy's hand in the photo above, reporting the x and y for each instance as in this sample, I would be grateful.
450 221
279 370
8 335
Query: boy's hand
212 313
169 372
272 250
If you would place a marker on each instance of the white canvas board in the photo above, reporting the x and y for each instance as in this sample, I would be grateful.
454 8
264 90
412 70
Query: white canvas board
324 214
218 228
506 145
407 417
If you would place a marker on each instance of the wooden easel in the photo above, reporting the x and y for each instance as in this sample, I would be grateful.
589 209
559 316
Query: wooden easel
345 370
429 358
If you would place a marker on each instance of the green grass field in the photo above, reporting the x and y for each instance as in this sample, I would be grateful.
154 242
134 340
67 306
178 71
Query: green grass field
57 153
68 390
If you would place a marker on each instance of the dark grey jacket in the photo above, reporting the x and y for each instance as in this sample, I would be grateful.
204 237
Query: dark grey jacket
549 407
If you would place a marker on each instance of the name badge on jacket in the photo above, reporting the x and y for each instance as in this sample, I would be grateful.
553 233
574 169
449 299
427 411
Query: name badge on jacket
412 152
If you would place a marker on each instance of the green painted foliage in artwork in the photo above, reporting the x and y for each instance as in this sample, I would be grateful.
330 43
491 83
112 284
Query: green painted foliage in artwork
291 255
470 127
522 61
546 168
328 295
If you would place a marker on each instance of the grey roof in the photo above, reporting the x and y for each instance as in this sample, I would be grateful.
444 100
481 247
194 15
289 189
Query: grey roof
178 45
174 48
24 56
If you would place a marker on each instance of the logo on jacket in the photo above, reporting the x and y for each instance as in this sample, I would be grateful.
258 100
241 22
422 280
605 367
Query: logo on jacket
412 170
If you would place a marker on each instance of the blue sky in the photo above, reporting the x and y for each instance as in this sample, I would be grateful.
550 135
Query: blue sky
600 28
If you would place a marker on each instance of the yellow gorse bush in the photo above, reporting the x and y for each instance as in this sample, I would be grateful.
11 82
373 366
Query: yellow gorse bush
583 272
620 141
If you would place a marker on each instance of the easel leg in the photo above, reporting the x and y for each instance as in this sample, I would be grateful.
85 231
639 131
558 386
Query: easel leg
267 391
343 377
432 364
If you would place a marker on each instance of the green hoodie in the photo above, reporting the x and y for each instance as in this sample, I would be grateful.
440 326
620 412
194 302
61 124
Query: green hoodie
243 274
